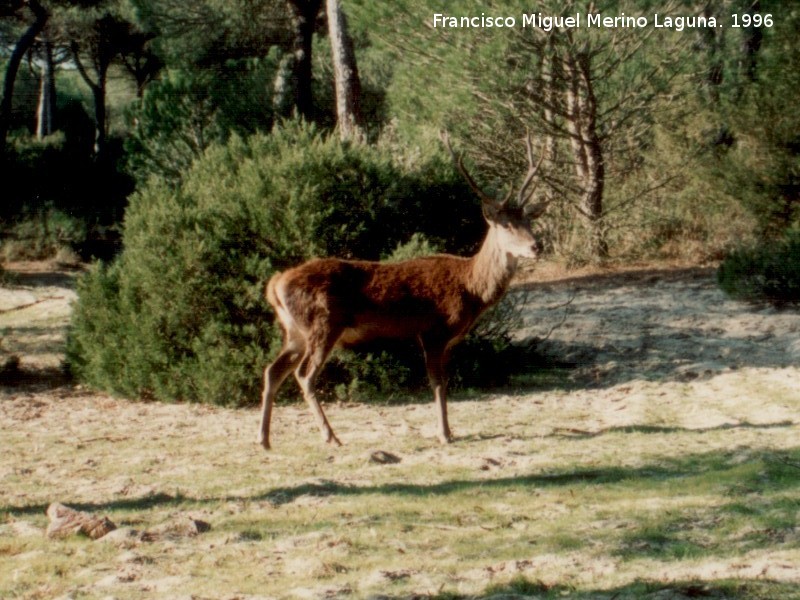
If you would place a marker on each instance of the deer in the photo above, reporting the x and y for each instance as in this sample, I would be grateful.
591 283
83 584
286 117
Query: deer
326 303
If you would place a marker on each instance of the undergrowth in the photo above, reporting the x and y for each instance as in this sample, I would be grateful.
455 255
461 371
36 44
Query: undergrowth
766 272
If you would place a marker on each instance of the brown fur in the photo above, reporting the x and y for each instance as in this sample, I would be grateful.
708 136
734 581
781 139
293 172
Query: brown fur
324 303
368 300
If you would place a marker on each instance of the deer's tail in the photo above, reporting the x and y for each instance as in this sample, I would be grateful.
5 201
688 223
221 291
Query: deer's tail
272 296
275 298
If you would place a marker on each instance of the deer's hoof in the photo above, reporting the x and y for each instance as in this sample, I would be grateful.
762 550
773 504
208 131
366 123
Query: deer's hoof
332 440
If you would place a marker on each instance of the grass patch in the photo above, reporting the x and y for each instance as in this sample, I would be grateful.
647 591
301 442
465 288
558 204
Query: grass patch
325 520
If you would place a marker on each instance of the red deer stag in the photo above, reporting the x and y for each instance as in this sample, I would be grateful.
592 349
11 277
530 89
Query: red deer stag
328 302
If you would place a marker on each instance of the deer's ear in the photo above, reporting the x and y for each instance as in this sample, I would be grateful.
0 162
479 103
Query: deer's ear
491 211
534 211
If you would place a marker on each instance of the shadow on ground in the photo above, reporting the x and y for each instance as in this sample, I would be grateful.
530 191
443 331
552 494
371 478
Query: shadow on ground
523 589
41 279
23 346
776 471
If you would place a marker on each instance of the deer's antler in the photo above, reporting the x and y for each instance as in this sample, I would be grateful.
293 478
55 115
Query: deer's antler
459 160
533 211
523 196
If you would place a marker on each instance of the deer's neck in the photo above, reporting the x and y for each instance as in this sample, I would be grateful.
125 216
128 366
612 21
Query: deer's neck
491 270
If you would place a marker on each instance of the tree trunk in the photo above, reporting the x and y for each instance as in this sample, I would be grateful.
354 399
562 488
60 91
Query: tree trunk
587 148
99 97
46 111
347 82
22 46
305 15
751 44
549 85
142 64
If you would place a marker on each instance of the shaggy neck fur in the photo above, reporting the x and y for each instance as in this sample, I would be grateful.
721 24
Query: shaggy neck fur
491 269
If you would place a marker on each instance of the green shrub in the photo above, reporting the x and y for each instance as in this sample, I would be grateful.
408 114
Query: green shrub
418 245
56 196
180 314
767 272
178 118
43 234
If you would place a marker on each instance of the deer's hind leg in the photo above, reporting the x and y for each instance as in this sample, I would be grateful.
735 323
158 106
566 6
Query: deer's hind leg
319 344
274 375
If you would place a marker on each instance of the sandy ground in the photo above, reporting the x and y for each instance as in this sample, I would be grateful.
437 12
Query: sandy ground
635 338
659 324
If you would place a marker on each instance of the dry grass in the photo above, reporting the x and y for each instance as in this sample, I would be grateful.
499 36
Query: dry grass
662 480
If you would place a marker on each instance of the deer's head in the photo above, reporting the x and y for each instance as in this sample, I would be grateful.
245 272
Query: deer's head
510 221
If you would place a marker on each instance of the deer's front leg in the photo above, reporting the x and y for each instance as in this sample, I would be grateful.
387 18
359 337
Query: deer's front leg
436 363
440 400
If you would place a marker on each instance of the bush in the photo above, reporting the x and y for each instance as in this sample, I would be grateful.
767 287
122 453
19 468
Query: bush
180 314
418 245
174 124
184 113
767 272
43 234
58 197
